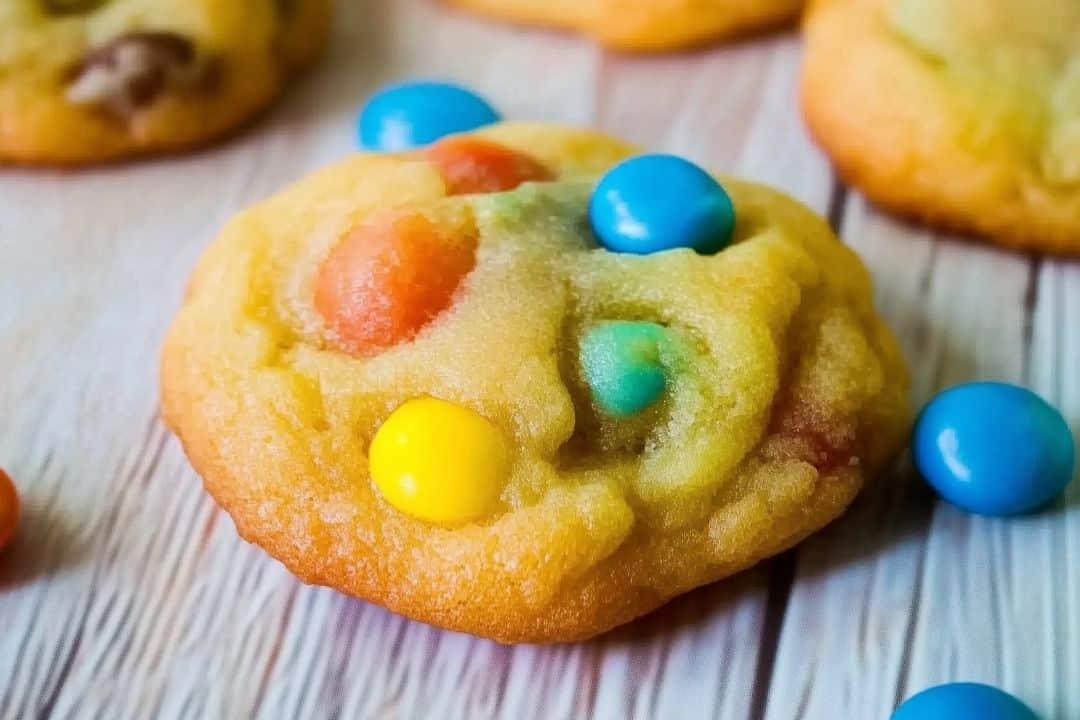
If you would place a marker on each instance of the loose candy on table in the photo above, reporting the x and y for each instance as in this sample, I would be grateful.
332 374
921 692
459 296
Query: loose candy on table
439 462
388 278
623 364
9 509
415 114
964 701
653 203
993 448
473 165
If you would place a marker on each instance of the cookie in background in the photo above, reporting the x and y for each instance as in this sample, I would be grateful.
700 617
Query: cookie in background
89 81
645 25
964 114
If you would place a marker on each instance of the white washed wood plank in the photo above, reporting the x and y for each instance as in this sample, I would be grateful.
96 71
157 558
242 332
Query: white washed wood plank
1055 373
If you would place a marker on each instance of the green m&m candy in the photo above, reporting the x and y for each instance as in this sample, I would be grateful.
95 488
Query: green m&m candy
623 364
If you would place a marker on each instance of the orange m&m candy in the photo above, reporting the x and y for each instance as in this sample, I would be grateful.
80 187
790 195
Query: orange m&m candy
390 277
471 165
9 509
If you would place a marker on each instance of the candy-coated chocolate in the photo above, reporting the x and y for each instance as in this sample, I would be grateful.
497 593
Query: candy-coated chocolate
623 365
9 509
439 462
993 448
652 203
415 114
387 279
964 701
474 165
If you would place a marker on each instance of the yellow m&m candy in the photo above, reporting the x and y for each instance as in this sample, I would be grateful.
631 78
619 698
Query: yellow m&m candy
439 462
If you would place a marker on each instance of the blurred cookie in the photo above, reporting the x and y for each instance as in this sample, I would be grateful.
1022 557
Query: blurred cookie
645 25
964 114
420 378
86 81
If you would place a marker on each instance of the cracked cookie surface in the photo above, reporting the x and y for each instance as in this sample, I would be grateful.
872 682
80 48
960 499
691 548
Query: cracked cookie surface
86 81
786 393
964 114
645 25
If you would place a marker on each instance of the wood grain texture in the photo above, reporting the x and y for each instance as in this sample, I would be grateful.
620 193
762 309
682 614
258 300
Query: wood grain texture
129 595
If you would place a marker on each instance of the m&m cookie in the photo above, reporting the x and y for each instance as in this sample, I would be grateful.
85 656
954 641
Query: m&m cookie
491 384
645 25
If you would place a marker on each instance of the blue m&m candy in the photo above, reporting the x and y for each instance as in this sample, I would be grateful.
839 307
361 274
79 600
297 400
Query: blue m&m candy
993 448
652 203
964 701
411 115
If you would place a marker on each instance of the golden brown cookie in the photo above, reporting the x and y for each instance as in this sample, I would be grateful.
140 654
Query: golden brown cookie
87 81
964 114
407 309
645 25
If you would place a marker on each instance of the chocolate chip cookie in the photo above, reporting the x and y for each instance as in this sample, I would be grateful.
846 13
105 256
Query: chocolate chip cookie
86 81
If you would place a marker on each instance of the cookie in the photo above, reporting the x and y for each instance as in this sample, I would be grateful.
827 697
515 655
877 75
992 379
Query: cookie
420 378
88 81
645 25
916 112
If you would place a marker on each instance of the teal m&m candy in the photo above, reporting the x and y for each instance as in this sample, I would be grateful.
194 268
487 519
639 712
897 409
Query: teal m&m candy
415 114
653 203
623 364
994 449
964 701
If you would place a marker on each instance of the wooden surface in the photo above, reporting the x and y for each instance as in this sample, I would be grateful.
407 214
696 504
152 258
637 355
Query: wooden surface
128 594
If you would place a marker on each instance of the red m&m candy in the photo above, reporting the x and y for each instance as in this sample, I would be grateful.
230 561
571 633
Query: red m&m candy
473 165
389 278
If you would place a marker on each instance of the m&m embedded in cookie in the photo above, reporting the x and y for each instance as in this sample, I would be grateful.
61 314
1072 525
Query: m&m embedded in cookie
994 449
964 701
439 461
415 114
471 166
386 279
623 363
652 203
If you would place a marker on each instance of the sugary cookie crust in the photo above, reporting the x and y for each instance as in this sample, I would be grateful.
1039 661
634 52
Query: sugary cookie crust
795 397
645 25
87 82
934 136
